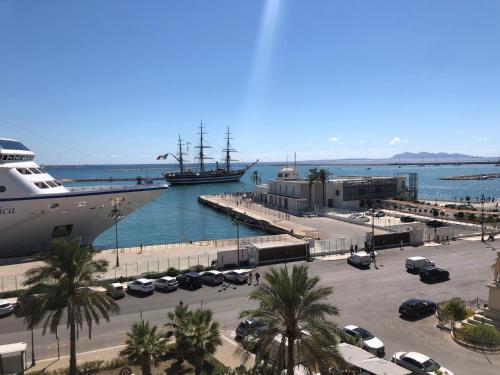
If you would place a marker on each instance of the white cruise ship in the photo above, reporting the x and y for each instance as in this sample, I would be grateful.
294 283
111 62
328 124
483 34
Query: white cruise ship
36 209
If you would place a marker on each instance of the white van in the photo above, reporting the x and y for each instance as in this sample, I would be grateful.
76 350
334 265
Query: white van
414 264
360 259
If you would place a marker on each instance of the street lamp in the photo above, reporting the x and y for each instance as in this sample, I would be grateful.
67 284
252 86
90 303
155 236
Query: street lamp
116 214
237 223
482 218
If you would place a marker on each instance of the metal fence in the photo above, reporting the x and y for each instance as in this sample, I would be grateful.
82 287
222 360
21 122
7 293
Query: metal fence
336 246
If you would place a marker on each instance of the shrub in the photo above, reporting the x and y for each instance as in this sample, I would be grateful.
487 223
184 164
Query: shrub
198 268
172 272
455 309
480 335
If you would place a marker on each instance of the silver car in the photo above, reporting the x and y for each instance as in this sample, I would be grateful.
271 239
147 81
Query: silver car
166 283
212 277
6 308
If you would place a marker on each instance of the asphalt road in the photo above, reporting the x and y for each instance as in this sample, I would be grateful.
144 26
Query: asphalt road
368 298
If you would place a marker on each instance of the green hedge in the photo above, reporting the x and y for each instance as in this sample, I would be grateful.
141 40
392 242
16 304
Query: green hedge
480 335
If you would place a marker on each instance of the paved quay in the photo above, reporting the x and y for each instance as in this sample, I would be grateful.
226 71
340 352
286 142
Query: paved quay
154 258
317 227
368 298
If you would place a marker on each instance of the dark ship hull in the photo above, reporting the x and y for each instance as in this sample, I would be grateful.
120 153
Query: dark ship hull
209 177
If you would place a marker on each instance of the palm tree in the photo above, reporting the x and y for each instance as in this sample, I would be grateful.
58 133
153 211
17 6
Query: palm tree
178 326
144 346
295 312
204 337
62 287
196 334
312 177
323 175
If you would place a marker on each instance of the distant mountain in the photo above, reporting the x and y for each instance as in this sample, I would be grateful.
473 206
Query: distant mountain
431 156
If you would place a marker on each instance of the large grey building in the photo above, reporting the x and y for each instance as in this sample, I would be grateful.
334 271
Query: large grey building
291 193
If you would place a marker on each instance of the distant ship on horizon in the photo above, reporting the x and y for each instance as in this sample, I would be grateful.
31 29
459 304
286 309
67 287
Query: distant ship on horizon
186 176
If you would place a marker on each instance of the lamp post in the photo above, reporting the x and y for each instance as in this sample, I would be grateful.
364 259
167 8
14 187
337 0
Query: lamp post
482 218
373 231
116 214
237 223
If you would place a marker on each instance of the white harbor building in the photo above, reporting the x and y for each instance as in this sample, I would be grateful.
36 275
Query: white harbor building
291 193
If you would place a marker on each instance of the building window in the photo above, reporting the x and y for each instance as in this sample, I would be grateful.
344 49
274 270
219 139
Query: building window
337 193
330 202
2 189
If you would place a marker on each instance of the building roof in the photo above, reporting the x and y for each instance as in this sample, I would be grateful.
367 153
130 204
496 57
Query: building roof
13 348
362 359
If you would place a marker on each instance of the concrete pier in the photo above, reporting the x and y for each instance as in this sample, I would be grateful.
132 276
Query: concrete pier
272 221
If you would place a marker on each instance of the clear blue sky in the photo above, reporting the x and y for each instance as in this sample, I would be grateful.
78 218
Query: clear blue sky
116 81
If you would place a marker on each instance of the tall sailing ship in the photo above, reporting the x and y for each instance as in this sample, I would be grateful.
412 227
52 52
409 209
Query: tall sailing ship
186 176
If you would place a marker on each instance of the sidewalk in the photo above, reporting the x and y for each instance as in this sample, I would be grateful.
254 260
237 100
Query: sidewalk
51 364
225 354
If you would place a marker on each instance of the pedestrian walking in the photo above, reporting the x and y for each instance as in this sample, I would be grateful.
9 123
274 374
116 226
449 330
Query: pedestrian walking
356 248
250 277
257 277
351 249
401 245
372 256
447 240
140 248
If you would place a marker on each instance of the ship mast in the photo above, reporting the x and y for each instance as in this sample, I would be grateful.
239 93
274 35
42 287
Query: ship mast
228 151
201 154
180 154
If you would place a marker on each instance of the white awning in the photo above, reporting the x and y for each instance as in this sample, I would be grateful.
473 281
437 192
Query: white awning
362 359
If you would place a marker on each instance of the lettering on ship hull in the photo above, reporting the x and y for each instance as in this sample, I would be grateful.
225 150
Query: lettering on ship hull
7 210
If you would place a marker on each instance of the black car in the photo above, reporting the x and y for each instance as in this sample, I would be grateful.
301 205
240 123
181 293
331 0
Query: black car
249 327
431 273
407 219
415 307
190 280
434 223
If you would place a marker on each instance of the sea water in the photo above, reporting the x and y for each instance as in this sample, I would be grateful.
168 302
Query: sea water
176 215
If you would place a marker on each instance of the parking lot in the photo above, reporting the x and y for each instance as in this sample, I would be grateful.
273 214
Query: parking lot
368 298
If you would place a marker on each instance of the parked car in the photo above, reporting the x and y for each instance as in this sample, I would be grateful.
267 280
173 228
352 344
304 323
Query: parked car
142 286
6 308
379 214
249 327
415 307
418 363
370 342
212 277
414 264
190 280
434 223
237 276
432 273
116 290
407 219
166 283
360 259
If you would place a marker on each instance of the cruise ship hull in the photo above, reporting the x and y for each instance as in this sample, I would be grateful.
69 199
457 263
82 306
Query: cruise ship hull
29 224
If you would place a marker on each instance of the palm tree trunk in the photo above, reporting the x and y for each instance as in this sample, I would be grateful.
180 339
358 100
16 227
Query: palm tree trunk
146 368
198 366
72 342
290 357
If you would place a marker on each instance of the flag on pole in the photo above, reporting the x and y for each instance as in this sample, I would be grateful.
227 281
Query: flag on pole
161 157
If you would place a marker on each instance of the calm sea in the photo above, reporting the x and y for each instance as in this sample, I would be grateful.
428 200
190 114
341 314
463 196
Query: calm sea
176 216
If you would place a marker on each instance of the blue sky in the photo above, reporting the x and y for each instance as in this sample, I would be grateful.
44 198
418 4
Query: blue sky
116 81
